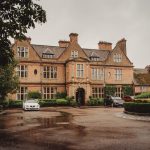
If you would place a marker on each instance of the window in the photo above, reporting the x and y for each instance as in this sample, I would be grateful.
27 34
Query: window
22 71
119 92
23 52
97 74
74 54
47 56
49 92
97 92
118 74
94 58
22 93
117 58
50 72
80 70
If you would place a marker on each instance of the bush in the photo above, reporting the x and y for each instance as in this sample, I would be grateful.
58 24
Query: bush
15 103
60 95
4 103
137 107
62 102
95 102
34 95
47 103
143 95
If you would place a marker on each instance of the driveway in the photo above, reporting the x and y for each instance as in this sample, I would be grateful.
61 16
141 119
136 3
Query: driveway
60 128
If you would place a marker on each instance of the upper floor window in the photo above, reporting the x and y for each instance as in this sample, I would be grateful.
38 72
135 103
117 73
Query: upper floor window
22 93
80 70
97 74
50 72
22 71
118 74
49 92
45 55
74 54
23 52
117 57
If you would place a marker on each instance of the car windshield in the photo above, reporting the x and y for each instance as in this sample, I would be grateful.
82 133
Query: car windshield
31 101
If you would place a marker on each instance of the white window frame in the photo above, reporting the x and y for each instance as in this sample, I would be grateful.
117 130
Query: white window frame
80 70
119 92
74 54
97 92
50 72
22 71
49 92
118 74
22 52
117 58
97 74
22 93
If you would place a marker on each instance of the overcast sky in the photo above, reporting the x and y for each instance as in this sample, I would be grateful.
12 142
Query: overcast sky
98 20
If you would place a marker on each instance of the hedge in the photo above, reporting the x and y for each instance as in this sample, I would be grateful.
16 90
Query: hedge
143 95
95 102
137 107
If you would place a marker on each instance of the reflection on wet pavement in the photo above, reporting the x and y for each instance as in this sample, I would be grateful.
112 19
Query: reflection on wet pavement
24 130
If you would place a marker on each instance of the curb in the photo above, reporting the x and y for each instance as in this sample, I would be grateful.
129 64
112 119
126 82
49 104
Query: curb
137 114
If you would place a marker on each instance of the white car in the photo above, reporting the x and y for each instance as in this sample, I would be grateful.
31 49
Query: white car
31 104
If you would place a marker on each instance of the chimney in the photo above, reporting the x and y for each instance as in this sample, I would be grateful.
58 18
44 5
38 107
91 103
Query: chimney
28 39
122 45
63 44
103 45
73 37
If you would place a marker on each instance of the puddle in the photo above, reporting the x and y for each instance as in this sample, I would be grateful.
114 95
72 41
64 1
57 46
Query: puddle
36 131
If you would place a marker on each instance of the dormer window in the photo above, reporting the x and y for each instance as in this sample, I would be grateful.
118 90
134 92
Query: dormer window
117 58
94 58
47 54
22 52
74 54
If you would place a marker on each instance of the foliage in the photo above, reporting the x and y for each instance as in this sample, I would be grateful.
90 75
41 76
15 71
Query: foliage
61 95
34 95
17 16
62 102
137 107
8 80
4 103
47 103
128 90
109 90
15 104
143 95
95 102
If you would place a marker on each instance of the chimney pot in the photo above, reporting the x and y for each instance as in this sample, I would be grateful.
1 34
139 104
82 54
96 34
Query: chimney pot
73 37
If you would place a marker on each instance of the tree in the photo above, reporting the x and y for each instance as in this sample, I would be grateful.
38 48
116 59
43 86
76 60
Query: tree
8 80
128 90
16 17
35 95
109 90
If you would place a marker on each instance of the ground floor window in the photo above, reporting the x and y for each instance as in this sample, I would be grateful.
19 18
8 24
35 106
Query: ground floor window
119 92
22 93
49 92
97 92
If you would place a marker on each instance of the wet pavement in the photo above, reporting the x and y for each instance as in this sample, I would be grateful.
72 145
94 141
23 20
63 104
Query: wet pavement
63 128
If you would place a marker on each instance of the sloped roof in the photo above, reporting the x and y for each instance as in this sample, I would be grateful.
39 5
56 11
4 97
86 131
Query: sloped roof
142 78
57 51
140 70
102 54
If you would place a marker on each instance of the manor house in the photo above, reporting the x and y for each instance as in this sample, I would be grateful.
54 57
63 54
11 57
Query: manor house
81 72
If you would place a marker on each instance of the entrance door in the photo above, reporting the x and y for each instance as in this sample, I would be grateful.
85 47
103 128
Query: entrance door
80 96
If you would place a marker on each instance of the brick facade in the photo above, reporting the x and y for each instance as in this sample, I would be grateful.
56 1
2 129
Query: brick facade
69 67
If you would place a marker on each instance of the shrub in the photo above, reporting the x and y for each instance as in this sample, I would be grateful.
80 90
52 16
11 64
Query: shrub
34 95
128 90
15 103
4 103
47 103
60 95
143 95
95 102
110 90
62 102
137 107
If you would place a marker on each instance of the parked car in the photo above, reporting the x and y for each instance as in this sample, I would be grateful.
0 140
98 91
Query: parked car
113 101
31 104
128 98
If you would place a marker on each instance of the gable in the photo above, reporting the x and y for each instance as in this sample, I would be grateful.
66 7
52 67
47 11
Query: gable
72 47
119 53
32 54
